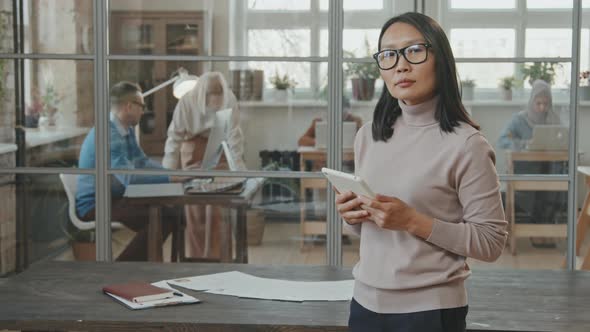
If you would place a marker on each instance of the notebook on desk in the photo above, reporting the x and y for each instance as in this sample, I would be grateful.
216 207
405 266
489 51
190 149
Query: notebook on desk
549 138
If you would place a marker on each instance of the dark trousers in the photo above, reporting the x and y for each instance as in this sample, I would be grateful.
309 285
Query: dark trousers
137 218
440 320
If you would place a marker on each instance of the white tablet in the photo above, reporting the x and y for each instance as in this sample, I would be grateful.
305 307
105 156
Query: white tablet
348 182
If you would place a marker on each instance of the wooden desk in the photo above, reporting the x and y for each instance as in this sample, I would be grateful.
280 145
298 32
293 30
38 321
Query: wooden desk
532 230
240 202
65 296
318 159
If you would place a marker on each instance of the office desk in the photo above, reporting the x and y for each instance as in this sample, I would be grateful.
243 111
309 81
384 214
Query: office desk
66 296
317 157
532 230
240 202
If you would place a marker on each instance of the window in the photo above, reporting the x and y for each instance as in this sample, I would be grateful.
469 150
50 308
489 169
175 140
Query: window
356 5
278 5
469 4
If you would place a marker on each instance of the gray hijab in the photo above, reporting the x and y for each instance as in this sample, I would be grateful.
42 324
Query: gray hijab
540 88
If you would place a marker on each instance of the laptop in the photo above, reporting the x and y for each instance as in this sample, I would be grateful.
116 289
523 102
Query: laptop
216 145
549 138
218 134
348 134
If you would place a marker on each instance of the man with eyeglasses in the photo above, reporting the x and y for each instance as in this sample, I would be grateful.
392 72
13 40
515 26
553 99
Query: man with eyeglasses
127 107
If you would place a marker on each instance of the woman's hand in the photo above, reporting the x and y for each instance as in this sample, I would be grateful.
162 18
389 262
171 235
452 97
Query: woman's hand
394 214
348 206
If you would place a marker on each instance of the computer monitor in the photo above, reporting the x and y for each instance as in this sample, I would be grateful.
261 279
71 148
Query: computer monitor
549 138
219 133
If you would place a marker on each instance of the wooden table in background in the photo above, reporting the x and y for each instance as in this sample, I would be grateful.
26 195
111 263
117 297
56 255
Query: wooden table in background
240 202
317 158
532 230
66 296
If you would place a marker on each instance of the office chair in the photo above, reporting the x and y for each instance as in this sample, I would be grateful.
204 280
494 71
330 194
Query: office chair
70 183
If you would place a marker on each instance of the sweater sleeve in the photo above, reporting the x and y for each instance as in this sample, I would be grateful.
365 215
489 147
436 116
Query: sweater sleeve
358 146
482 232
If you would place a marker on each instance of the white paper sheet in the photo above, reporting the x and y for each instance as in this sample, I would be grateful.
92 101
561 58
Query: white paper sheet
240 284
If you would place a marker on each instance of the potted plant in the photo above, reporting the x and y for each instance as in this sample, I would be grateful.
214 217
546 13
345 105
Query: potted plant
83 245
83 242
282 84
50 100
362 76
584 85
467 88
540 71
506 85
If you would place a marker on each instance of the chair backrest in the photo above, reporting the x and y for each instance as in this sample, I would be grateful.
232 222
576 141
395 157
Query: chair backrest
70 182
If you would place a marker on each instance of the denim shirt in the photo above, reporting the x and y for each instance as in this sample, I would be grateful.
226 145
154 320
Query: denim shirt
125 154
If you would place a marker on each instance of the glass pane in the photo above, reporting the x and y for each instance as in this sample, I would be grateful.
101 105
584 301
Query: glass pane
467 4
537 41
265 221
537 214
58 113
7 105
483 43
6 32
548 4
7 217
350 5
52 26
292 42
490 77
270 119
357 43
44 215
256 28
278 5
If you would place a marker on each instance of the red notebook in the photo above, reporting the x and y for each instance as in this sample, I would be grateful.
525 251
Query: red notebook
138 291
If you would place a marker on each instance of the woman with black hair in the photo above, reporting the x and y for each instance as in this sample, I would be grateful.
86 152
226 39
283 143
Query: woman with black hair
439 194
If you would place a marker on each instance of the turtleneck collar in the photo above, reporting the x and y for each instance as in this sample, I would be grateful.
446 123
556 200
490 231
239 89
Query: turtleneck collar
420 114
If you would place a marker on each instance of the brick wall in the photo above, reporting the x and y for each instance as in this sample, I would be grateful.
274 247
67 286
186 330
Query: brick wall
7 217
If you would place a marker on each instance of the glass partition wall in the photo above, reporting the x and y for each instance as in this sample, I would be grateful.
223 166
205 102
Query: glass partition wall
300 81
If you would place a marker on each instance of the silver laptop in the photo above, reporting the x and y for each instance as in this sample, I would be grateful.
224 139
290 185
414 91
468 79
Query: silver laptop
218 134
549 137
348 134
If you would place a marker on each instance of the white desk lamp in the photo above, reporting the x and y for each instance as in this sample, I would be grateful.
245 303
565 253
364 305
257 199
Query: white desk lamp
183 83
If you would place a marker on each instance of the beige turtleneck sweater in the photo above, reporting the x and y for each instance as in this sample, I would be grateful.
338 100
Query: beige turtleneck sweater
448 176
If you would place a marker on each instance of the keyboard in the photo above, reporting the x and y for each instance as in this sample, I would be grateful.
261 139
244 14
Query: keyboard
230 185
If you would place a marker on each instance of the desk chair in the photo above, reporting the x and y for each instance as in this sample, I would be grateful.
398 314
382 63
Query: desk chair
70 183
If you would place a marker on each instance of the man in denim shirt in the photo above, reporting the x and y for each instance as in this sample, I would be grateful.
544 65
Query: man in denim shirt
127 107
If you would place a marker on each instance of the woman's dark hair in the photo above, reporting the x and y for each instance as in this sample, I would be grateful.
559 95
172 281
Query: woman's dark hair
450 110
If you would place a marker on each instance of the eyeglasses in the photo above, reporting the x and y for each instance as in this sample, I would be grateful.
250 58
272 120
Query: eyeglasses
143 106
414 54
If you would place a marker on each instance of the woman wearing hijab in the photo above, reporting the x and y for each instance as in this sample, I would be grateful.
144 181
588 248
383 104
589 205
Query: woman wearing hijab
188 132
539 111
540 206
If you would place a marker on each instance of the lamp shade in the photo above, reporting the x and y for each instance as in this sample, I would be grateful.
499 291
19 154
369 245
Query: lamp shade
184 84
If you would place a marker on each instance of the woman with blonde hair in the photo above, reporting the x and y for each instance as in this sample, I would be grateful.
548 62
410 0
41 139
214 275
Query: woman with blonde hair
188 133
